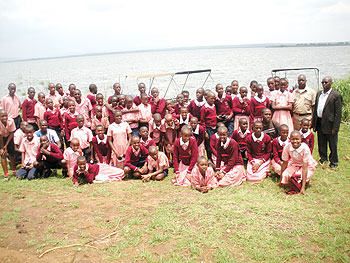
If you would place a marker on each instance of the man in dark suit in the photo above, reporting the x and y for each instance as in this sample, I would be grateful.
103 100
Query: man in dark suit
326 121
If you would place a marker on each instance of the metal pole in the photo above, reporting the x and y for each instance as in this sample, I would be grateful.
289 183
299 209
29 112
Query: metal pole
172 76
185 82
206 79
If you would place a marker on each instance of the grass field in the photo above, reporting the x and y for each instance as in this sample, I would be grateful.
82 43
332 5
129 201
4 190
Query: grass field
157 222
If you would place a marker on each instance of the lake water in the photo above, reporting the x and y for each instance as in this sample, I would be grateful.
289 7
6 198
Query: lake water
243 64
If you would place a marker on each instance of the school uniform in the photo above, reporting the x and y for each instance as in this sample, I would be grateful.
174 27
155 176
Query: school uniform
84 136
54 121
30 150
12 106
241 139
51 161
277 149
156 131
308 138
5 131
224 107
208 121
159 107
102 150
98 173
240 110
39 110
199 134
154 165
135 159
209 180
51 135
183 121
149 142
28 106
282 116
92 98
132 116
56 99
70 120
256 106
195 108
145 113
72 157
170 135
119 134
84 108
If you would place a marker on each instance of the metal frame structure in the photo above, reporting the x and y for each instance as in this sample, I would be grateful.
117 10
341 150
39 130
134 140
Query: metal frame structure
316 70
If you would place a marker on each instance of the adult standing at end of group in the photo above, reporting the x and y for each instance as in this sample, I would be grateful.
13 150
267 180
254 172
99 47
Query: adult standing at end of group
12 104
304 102
326 121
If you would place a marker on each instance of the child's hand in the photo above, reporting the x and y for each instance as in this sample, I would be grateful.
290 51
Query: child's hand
80 151
302 191
23 165
76 184
2 152
206 135
62 133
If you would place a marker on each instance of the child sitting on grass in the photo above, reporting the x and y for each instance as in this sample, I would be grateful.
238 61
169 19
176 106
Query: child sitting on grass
101 151
157 164
71 155
203 177
240 136
135 158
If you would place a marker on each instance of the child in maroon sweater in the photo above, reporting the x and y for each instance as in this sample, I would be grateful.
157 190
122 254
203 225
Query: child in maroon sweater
70 120
200 134
158 105
259 153
213 142
145 140
306 135
54 119
240 136
28 108
277 148
195 105
257 104
223 104
185 157
184 117
180 103
240 107
135 158
101 151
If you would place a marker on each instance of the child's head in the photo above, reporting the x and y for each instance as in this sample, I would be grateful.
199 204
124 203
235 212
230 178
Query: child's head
283 131
180 99
93 88
220 124
3 116
12 89
117 89
144 132
80 121
184 112
277 82
257 128
234 85
223 133
49 103
114 101
135 142
304 125
41 97
23 125
252 85
194 123
71 106
210 98
129 102
186 133
77 95
144 99
283 84
243 124
44 142
59 88
52 88
228 90
65 101
200 94
99 99
243 91
169 105
98 112
100 131
157 118
142 87
117 116
74 144
153 152
81 161
72 89
169 119
202 164
219 89
154 92
295 139
186 95
271 83
266 115
259 90
31 93
121 100
43 126
29 131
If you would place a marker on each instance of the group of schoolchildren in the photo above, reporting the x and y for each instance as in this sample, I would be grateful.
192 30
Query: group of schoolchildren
208 140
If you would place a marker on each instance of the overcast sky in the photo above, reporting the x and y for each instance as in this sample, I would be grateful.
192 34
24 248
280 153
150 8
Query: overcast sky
44 28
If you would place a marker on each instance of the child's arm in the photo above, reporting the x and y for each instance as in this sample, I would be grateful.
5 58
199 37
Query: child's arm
283 168
2 149
9 138
304 176
23 165
110 143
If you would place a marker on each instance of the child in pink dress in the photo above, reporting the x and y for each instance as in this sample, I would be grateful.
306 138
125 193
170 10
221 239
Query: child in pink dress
157 130
185 157
257 104
157 164
171 125
145 110
101 151
277 148
39 108
119 139
258 152
240 136
131 115
271 87
203 177
200 134
145 140
95 173
306 135
282 104
70 156
298 164
83 106
228 152
170 107
240 107
99 119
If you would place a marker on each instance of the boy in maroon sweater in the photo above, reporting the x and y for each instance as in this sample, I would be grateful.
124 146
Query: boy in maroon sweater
306 135
223 104
54 119
135 158
145 140
28 108
70 122
195 105
49 156
158 105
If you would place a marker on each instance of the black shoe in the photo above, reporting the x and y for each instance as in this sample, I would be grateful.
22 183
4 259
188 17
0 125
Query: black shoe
322 161
333 166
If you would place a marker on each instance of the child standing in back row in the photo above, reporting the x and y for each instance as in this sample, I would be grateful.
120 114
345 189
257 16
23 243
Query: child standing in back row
257 104
195 105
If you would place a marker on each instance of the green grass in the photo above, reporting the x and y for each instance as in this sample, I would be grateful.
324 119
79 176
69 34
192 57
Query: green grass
343 87
157 222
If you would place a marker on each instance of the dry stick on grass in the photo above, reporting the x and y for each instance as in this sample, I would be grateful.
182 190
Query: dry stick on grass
82 245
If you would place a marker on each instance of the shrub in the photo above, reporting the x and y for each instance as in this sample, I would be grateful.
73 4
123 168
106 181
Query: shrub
343 87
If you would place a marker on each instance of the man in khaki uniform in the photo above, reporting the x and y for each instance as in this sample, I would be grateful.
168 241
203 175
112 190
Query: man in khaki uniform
304 102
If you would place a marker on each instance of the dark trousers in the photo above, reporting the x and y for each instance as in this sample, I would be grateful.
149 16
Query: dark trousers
230 124
87 153
210 132
25 172
18 121
35 126
323 140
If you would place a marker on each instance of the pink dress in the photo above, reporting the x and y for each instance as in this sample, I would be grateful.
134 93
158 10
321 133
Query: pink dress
108 173
155 130
282 116
72 157
296 158
199 181
119 134
132 116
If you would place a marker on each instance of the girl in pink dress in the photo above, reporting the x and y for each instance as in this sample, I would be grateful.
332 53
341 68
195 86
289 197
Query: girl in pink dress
95 173
277 148
145 110
203 177
70 156
298 164
232 173
258 153
282 103
119 139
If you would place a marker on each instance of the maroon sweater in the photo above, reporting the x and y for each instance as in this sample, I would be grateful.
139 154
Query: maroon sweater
177 108
92 171
53 119
208 116
159 107
277 150
92 99
54 156
130 156
201 136
28 109
148 143
102 149
69 124
230 156
242 142
309 140
259 150
188 157
213 142
224 106
194 109
240 108
257 107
